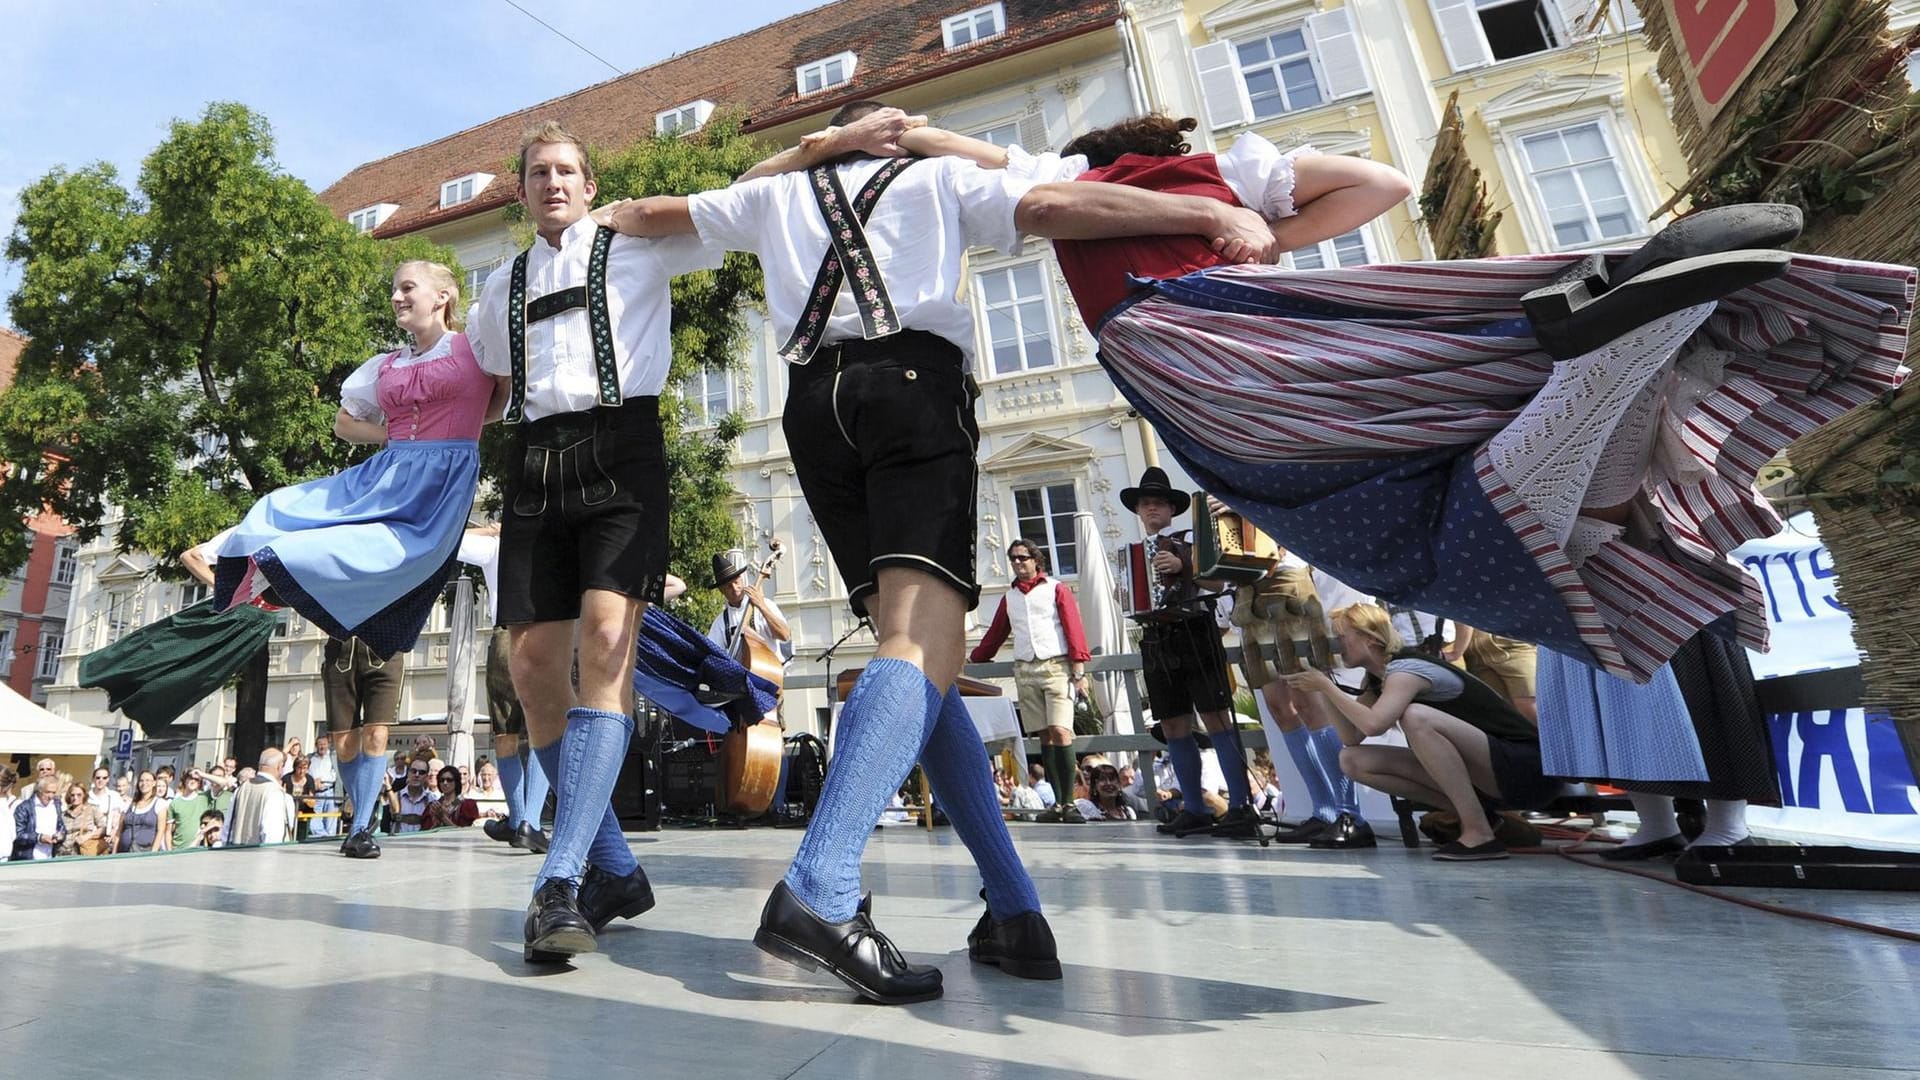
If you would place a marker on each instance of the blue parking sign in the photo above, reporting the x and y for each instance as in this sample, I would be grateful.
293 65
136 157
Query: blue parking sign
123 745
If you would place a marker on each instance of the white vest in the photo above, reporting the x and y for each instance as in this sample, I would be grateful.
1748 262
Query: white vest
1034 618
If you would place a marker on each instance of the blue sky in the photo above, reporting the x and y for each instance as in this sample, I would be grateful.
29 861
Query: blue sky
343 82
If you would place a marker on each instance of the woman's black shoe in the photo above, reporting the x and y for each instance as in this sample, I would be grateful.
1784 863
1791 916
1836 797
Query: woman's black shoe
1185 823
531 838
1303 832
1571 319
1347 831
1239 823
1021 946
1740 227
499 829
360 846
556 931
1666 845
855 952
604 898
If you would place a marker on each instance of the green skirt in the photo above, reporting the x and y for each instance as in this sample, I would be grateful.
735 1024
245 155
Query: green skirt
165 668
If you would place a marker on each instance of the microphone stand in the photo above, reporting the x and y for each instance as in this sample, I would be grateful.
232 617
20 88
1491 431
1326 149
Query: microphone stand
826 658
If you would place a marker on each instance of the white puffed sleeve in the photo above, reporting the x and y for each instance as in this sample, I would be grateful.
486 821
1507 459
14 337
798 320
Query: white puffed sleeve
1044 168
1260 175
360 394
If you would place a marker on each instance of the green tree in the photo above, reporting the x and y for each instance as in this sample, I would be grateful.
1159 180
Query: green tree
709 332
188 338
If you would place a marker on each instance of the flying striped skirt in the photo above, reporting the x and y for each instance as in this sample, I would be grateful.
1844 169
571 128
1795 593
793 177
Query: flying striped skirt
1347 412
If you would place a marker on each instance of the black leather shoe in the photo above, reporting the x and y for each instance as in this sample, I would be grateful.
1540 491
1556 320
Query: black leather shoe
1021 946
1347 831
1666 845
1071 815
1239 823
530 837
360 846
1303 832
556 930
1740 227
604 898
1571 319
1185 823
499 829
855 952
1049 816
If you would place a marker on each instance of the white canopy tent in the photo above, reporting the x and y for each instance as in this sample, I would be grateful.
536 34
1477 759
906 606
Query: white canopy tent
29 730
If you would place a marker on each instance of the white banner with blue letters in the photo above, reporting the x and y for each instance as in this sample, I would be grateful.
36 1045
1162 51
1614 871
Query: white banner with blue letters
1844 778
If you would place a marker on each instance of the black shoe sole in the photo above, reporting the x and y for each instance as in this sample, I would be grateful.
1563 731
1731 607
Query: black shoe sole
1570 320
559 946
1741 227
374 854
538 847
780 948
638 907
1018 967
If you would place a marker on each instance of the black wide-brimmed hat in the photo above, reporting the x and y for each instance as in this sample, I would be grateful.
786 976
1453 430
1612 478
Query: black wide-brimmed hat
1154 482
728 565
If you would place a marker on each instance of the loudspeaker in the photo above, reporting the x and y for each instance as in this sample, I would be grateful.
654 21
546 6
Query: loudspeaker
636 794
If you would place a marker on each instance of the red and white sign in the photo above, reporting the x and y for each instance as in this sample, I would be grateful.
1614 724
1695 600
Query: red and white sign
1721 42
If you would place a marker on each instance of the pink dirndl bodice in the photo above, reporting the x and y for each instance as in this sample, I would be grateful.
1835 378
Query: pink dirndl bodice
442 398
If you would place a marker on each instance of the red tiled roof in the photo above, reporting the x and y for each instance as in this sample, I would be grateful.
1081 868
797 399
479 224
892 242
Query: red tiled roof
898 43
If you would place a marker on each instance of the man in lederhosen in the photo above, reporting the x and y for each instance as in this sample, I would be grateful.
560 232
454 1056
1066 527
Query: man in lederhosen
578 326
880 421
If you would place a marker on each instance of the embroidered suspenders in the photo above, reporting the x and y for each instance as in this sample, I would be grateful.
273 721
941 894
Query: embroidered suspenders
592 296
850 253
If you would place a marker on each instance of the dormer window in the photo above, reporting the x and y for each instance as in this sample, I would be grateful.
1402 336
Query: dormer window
825 74
369 218
976 25
689 117
463 189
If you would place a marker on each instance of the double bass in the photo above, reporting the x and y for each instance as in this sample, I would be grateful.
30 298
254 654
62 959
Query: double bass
752 750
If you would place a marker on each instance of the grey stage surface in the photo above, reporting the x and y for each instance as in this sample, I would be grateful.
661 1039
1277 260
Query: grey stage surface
1196 959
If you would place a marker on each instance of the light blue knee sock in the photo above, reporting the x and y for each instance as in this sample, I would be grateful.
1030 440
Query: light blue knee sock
590 756
885 722
539 780
1300 748
609 851
1233 764
956 764
512 773
364 783
1186 766
1326 750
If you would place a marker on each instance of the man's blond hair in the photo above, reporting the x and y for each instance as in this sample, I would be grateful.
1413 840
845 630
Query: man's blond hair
550 131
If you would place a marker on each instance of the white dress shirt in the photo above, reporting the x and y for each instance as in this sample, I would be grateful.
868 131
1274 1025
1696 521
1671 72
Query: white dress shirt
920 231
560 371
730 617
483 551
1260 175
46 822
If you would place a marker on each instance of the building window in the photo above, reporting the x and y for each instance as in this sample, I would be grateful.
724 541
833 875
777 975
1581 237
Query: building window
1347 249
824 74
283 623
1913 69
708 396
1480 32
463 189
1278 71
369 218
1019 318
6 650
1045 516
66 562
689 117
1516 27
51 642
976 25
119 614
1578 185
1003 136
193 592
476 280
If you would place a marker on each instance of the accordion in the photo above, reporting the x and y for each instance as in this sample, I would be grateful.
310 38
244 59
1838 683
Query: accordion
1146 596
1227 547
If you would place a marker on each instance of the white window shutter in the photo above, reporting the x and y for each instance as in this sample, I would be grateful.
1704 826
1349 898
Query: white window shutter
1220 84
1338 51
1577 17
1033 133
1460 34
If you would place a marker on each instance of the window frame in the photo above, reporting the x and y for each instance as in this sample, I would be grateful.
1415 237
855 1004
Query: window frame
1308 50
968 19
368 218
1045 485
982 318
66 556
1536 199
474 184
699 112
52 642
7 634
1329 253
848 57
707 419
